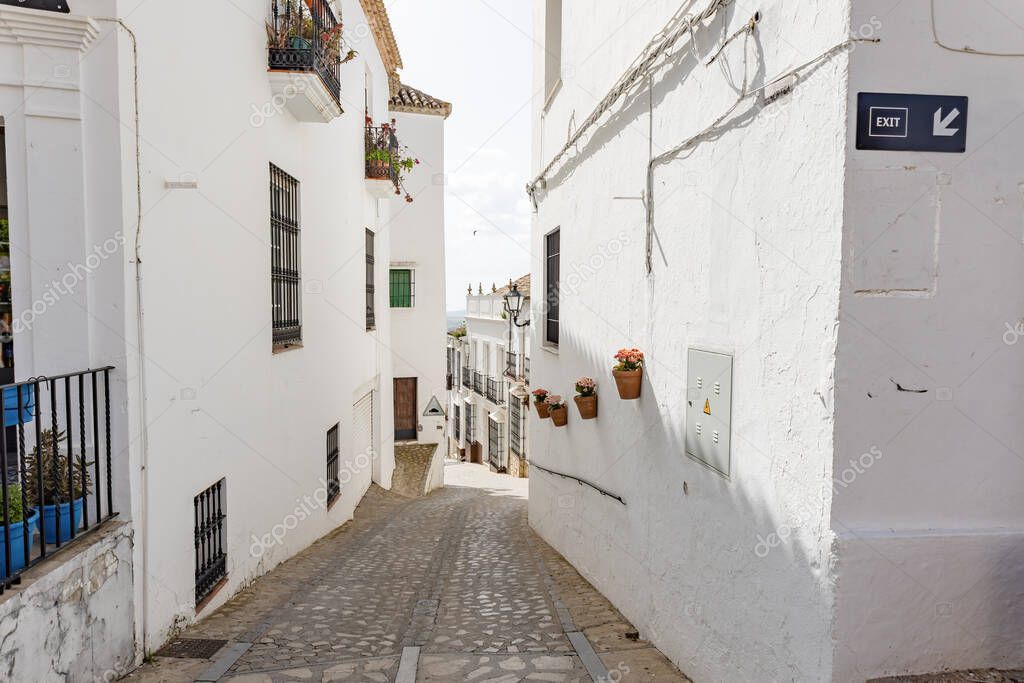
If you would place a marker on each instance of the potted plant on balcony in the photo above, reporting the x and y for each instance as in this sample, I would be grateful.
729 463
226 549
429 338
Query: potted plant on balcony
629 373
558 409
385 155
57 499
538 402
586 398
15 523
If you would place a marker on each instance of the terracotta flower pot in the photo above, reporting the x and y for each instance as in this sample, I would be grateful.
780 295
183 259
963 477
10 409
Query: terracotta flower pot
543 410
560 416
628 382
587 406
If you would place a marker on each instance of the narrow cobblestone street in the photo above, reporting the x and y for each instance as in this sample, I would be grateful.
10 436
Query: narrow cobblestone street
457 574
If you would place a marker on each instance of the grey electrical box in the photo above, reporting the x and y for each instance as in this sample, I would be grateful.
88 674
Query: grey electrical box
709 408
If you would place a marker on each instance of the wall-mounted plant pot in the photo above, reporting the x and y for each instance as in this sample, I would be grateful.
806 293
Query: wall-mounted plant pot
628 382
560 416
17 531
587 406
50 520
543 410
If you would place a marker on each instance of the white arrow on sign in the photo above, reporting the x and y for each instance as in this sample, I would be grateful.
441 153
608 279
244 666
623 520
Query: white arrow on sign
941 125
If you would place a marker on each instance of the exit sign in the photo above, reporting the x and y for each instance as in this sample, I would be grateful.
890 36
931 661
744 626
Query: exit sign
911 123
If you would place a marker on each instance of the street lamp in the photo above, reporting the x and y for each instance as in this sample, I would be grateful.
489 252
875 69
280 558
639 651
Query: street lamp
514 306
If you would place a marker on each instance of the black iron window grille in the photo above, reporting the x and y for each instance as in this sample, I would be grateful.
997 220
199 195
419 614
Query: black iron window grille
402 287
467 378
552 252
211 558
55 466
371 316
478 382
457 421
333 479
511 364
470 423
495 446
516 426
306 37
285 258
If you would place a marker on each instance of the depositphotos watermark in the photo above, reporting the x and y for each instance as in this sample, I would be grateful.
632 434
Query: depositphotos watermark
308 504
74 275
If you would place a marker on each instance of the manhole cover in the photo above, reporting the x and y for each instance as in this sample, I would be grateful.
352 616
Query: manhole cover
192 648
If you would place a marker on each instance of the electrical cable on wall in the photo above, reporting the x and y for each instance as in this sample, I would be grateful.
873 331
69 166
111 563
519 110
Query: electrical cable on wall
642 67
965 49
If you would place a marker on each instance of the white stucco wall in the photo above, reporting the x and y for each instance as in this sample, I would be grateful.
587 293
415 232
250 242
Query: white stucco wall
746 262
417 242
215 401
931 532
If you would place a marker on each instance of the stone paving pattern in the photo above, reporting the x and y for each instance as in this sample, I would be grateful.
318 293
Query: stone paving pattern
457 572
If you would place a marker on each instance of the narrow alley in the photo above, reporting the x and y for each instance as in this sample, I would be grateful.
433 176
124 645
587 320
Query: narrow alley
457 574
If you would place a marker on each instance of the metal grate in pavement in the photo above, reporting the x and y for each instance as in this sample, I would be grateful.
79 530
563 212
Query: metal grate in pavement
192 648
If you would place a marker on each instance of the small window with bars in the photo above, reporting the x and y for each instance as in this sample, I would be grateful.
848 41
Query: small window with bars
402 287
211 557
457 421
371 316
552 273
333 479
515 426
496 444
285 261
470 424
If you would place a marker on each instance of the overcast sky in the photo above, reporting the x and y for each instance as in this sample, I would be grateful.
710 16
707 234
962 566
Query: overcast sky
476 54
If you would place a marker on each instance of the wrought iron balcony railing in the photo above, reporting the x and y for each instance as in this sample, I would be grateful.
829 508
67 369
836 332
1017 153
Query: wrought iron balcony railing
382 155
55 466
305 36
478 382
467 378
526 369
512 364
496 390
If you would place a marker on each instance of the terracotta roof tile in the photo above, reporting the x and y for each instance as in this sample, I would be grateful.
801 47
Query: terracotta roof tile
409 99
522 283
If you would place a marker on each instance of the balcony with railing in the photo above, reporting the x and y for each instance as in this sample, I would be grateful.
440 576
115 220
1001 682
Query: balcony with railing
526 369
512 364
478 382
304 58
467 378
495 390
386 160
55 466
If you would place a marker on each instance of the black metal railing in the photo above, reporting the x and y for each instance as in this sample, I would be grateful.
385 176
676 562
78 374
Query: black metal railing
333 478
511 364
382 154
55 466
496 390
526 369
516 426
496 455
457 421
285 258
211 558
478 382
305 37
467 378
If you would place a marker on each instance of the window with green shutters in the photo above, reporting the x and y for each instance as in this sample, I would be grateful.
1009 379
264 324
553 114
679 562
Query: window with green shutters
403 288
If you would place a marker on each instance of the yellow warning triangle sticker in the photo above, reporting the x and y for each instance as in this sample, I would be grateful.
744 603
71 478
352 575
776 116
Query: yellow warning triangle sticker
707 406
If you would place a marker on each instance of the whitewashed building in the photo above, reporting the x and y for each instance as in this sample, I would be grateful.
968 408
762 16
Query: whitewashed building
489 377
821 478
205 218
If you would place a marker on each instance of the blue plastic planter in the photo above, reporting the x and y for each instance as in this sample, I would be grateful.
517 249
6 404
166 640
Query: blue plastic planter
18 544
50 520
28 405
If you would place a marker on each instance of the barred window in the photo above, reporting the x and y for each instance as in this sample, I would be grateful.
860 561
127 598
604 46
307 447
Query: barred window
457 421
470 423
333 479
371 317
516 429
552 272
211 558
496 444
285 268
403 287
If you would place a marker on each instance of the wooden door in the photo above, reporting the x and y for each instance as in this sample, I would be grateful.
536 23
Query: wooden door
406 413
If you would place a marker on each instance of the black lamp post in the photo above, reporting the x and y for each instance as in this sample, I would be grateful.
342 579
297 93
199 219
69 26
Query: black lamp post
514 306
